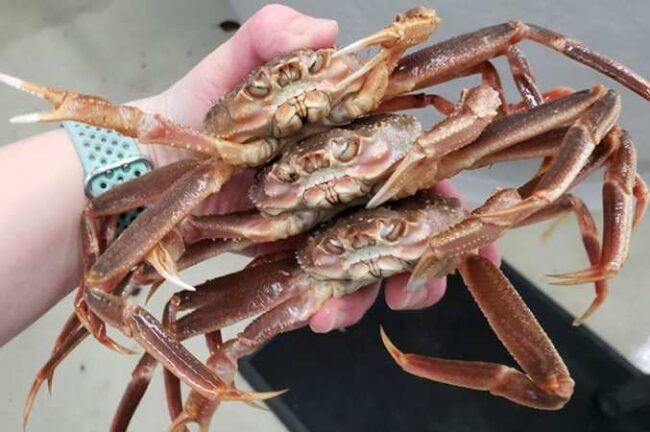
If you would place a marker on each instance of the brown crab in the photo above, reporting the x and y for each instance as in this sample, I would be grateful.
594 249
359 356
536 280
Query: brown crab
367 246
353 251
270 111
217 307
299 94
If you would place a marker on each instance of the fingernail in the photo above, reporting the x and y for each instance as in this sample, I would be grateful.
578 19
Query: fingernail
414 298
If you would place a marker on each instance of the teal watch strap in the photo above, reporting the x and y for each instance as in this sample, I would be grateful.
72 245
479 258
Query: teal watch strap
108 159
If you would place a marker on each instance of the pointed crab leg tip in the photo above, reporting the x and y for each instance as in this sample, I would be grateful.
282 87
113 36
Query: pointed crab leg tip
256 405
584 317
375 201
11 81
394 352
588 314
246 397
152 291
261 396
26 118
176 280
28 409
579 277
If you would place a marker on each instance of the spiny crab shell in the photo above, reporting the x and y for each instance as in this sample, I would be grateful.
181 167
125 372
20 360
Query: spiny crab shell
367 245
307 90
335 167
275 97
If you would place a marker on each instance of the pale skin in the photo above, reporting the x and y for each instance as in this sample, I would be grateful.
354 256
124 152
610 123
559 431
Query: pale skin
40 247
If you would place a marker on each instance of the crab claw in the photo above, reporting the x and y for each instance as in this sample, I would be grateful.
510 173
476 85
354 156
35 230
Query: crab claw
53 95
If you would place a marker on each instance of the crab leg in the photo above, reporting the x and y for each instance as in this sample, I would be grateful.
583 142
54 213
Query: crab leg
579 143
501 134
139 383
447 248
134 321
545 383
414 27
523 77
254 292
489 77
197 409
590 240
641 194
618 200
141 190
515 128
140 379
447 107
73 334
73 331
238 296
544 145
449 59
251 225
149 228
294 313
133 122
194 254
255 226
45 373
477 108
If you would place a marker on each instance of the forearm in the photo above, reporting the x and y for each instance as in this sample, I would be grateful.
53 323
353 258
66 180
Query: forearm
42 199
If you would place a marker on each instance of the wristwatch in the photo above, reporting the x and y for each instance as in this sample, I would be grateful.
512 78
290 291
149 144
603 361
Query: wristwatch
108 159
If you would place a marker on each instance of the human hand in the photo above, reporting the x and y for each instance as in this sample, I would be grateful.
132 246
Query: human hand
273 31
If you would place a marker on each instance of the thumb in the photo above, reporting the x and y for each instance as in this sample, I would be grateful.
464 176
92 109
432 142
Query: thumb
274 30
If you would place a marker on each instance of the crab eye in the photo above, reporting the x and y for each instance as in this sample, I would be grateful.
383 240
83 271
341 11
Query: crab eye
312 162
286 173
288 74
392 230
259 87
333 246
318 61
346 149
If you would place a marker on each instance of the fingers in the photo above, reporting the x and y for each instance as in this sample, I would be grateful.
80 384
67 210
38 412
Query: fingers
274 30
399 298
346 311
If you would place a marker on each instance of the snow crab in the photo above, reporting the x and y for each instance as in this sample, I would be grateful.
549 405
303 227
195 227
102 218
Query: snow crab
311 91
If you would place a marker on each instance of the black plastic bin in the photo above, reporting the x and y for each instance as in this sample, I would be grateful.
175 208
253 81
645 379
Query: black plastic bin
346 381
